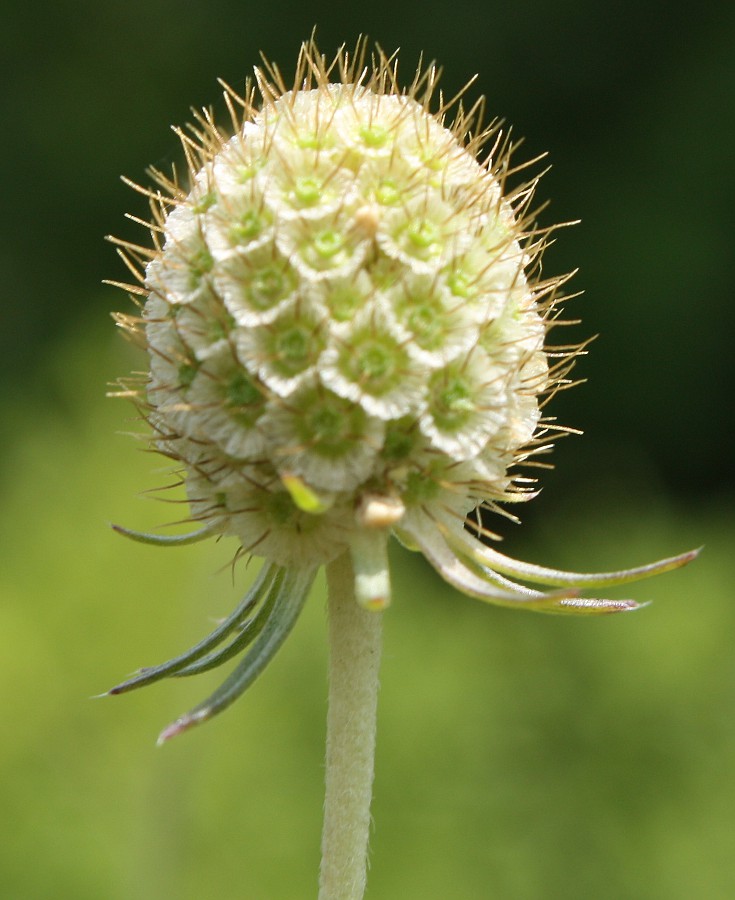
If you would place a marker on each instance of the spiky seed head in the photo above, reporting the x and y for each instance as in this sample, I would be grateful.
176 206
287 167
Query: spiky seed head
342 311
347 338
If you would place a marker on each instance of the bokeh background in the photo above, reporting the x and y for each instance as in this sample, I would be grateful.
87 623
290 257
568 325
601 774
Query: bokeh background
519 757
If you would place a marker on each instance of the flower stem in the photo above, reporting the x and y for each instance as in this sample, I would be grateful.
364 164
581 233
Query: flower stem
354 659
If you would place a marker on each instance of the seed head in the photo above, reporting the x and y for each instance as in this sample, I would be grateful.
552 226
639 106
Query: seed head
347 333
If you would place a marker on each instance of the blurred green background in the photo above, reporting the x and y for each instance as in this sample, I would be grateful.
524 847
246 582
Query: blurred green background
519 757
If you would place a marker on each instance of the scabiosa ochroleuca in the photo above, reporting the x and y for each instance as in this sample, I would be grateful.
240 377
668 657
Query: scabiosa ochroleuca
347 333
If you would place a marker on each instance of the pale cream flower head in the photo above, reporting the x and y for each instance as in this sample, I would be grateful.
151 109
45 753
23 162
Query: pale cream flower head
347 334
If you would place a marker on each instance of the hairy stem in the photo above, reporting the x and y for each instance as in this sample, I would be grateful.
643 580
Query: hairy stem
354 660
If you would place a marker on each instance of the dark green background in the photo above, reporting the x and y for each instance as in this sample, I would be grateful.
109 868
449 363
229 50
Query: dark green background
520 757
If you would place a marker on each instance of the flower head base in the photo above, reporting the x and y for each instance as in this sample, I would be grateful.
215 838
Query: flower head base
347 340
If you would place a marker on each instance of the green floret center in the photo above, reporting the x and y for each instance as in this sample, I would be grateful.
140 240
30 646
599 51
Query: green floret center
243 399
452 403
219 328
427 327
374 136
421 238
249 226
326 425
307 190
268 286
387 192
328 243
425 318
343 301
204 203
460 284
421 487
246 173
292 346
241 391
400 440
292 349
201 263
329 426
312 140
422 234
187 372
432 160
375 362
325 249
282 512
280 507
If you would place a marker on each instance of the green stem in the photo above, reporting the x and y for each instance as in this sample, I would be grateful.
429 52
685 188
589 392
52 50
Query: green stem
354 660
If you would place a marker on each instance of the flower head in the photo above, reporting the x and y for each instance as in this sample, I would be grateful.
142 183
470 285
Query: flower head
347 335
